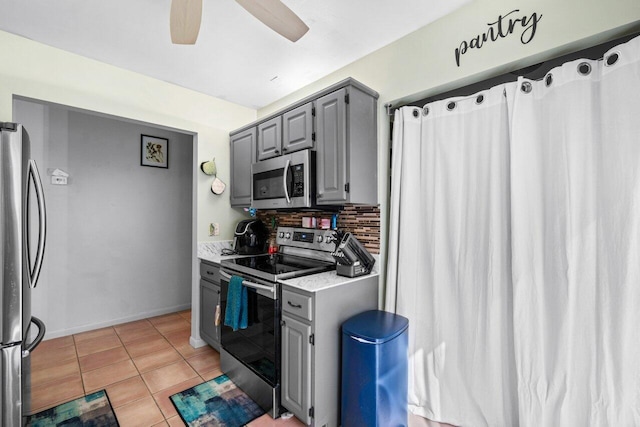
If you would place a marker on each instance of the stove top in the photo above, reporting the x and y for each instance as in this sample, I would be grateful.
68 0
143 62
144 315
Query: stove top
277 266
302 251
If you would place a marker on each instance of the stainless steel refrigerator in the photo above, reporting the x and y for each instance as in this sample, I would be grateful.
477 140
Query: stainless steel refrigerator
20 191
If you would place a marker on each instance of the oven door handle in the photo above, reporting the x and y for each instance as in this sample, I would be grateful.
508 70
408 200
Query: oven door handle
249 284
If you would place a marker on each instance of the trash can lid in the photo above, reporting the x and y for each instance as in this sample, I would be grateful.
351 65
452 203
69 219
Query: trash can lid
375 325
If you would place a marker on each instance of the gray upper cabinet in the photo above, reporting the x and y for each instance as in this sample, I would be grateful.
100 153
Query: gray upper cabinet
346 144
331 172
339 123
243 153
297 129
270 138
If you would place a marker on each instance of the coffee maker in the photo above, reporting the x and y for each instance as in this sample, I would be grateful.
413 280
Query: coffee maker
251 237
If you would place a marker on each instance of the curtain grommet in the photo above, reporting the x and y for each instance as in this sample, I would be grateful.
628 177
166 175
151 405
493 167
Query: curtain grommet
425 111
526 87
451 106
415 113
548 79
611 59
479 99
584 68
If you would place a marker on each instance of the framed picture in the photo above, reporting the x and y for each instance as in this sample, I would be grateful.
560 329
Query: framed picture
154 151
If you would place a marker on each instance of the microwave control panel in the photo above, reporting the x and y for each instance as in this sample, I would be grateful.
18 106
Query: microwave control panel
298 181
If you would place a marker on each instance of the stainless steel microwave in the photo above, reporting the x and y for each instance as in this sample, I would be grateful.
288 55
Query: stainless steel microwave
284 182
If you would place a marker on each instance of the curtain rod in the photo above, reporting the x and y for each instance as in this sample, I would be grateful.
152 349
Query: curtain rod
533 72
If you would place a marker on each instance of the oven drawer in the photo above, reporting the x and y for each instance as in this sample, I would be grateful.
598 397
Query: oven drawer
210 272
297 304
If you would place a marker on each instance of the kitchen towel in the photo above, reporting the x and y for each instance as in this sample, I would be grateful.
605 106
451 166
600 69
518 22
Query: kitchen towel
236 314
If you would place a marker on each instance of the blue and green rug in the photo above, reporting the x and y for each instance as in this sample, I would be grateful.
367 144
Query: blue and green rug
216 403
93 410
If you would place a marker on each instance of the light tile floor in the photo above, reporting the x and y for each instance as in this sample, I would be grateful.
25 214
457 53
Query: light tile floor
140 364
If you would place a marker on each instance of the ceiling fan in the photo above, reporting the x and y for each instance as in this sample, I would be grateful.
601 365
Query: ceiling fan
186 16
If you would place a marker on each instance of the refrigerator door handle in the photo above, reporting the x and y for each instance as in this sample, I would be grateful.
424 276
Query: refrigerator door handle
38 339
42 218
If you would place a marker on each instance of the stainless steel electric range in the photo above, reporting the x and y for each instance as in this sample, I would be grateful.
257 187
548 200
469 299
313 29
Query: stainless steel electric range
251 356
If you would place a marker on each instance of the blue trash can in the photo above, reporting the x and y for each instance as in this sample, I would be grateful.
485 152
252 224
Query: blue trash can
374 370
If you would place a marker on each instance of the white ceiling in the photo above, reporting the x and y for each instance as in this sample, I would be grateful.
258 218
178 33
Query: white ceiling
236 57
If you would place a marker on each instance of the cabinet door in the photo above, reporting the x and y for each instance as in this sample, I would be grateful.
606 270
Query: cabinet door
331 147
296 368
243 154
209 300
270 138
297 129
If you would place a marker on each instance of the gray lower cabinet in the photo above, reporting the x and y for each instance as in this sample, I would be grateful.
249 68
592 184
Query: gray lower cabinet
243 154
346 145
209 301
311 337
296 349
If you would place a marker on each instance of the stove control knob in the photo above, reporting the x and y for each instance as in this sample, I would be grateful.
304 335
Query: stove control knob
281 234
330 239
287 235
320 239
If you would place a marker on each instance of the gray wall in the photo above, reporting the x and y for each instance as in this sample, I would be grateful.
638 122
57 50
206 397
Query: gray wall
119 234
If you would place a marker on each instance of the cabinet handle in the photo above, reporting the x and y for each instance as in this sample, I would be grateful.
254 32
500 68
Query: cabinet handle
294 305
210 273
284 149
276 151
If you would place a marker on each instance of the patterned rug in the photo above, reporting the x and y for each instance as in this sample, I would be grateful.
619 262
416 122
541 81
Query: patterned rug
216 403
93 410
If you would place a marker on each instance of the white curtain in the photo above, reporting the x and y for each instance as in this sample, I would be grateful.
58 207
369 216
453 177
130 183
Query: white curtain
450 257
576 243
514 249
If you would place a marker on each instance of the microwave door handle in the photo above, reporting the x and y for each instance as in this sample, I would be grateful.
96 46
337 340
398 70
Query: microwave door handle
284 180
250 284
34 272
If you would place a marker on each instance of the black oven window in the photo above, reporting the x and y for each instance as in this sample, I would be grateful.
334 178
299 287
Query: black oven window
256 346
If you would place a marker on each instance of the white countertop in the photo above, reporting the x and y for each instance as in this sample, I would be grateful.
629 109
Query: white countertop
329 279
212 251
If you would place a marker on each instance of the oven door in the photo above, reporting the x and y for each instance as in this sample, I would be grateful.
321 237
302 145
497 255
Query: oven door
258 346
283 182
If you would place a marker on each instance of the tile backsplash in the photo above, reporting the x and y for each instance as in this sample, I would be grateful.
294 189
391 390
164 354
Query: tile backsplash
362 221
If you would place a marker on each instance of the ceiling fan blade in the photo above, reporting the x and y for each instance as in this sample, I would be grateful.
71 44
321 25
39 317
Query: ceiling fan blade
186 16
277 16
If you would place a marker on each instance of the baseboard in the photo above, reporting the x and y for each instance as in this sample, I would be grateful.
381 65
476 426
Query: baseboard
196 342
84 328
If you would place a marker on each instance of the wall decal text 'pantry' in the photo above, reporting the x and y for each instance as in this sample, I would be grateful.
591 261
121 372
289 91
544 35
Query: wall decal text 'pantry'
502 28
